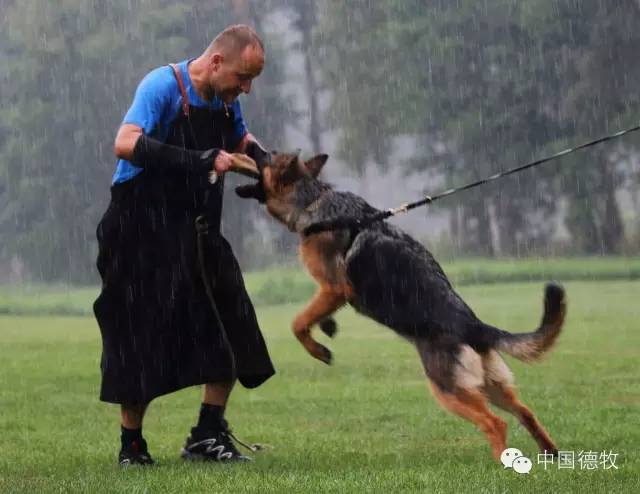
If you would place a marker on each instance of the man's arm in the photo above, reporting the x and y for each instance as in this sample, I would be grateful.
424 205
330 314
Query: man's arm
151 102
126 139
133 145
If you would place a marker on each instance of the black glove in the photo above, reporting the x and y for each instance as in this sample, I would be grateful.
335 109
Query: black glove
151 153
262 159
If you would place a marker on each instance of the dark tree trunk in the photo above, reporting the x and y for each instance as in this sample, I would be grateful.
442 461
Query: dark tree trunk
611 228
307 20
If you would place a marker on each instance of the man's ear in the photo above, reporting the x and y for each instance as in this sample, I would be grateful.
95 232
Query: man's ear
216 59
315 164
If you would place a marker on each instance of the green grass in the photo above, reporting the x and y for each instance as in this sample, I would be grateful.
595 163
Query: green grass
289 284
366 424
474 271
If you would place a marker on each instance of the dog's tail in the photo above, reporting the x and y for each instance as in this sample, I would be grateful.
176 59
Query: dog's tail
532 346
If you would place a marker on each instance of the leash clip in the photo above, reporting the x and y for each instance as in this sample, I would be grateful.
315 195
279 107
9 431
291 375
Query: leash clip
401 209
202 225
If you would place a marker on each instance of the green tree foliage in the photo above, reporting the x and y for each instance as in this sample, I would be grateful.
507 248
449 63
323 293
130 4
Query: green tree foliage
484 85
355 57
72 69
489 85
596 44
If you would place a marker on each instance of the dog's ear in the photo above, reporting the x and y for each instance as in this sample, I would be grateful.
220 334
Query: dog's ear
315 164
293 170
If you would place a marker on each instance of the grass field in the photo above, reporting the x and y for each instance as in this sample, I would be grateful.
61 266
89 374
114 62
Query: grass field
366 424
290 284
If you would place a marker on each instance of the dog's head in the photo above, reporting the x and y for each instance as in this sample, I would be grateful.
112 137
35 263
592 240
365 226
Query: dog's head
285 170
285 180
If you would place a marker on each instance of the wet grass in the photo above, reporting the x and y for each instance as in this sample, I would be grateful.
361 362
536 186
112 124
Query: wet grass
366 424
290 284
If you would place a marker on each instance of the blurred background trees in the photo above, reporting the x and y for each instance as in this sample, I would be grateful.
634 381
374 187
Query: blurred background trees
453 90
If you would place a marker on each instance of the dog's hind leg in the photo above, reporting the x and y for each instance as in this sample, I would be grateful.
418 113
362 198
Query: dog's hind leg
499 389
456 378
472 405
505 397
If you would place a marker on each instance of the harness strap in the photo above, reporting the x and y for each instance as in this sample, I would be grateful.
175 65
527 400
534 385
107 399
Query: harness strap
183 91
293 217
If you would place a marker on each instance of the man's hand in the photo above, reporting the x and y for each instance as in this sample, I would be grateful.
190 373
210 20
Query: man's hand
252 148
222 162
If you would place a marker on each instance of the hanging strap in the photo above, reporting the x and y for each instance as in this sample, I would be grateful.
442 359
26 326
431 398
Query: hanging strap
183 91
202 230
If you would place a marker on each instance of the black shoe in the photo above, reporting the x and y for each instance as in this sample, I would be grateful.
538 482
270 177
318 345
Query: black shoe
212 446
135 453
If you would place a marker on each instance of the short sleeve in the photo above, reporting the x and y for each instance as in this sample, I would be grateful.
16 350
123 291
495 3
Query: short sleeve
239 125
152 100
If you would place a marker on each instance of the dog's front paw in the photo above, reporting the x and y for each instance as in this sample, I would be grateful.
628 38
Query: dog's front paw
329 326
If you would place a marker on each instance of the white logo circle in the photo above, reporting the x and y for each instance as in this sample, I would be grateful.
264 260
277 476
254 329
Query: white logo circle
509 455
522 465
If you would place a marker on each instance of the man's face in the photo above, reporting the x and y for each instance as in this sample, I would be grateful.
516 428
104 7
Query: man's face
233 75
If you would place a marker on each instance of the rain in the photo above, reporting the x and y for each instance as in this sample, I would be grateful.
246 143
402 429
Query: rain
409 99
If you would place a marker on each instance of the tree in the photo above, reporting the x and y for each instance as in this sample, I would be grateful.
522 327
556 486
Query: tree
73 69
598 45
353 53
493 84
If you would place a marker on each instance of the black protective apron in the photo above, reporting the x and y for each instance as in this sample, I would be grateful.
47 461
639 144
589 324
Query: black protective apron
159 330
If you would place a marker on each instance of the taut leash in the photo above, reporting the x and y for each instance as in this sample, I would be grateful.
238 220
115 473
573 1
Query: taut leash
339 223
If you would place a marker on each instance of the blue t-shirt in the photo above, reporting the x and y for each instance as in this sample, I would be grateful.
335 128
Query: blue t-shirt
156 104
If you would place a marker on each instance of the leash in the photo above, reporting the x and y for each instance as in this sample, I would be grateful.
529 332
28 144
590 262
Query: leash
342 222
202 229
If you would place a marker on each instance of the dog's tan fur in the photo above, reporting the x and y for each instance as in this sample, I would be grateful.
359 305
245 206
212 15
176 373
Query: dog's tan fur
477 377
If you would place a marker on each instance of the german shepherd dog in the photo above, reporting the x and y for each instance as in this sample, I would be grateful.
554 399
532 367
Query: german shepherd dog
388 276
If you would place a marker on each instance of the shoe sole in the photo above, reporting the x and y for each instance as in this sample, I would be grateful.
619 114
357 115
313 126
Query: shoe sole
128 463
188 455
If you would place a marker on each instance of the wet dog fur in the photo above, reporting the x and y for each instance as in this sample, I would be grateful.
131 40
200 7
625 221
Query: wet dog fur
388 276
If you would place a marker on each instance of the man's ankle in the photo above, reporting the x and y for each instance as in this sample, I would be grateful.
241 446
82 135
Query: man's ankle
128 436
211 417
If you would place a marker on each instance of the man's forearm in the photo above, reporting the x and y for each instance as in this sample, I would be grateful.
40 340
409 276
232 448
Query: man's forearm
149 153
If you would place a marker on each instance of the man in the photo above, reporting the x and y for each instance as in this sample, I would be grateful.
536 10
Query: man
173 311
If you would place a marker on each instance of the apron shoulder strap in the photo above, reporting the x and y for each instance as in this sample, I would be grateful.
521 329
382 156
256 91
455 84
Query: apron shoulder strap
183 91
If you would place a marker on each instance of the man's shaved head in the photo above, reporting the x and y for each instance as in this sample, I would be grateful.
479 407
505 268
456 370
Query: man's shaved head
233 41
